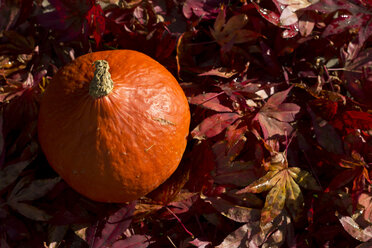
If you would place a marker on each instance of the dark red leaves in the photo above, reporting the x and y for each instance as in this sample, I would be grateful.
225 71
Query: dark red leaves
110 228
280 149
96 22
365 200
326 134
135 241
210 101
74 20
275 116
201 9
357 120
214 125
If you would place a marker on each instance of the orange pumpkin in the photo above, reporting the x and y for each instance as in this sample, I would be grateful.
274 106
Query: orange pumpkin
113 124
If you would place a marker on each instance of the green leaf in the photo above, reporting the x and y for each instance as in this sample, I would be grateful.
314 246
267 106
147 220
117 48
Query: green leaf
284 184
294 198
263 184
275 200
304 179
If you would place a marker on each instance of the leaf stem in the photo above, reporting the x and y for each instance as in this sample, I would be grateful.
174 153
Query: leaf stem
178 219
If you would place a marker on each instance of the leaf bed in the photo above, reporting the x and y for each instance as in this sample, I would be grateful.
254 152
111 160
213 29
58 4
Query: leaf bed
280 149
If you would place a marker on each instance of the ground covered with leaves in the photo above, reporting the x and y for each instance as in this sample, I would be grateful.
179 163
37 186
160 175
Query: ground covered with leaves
279 152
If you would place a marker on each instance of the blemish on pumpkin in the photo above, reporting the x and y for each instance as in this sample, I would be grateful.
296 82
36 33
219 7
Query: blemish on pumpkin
164 121
147 149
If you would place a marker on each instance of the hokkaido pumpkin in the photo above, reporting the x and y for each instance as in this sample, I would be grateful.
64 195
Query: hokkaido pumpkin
113 124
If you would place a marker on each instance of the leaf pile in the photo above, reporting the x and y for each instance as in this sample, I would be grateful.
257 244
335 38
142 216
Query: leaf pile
280 148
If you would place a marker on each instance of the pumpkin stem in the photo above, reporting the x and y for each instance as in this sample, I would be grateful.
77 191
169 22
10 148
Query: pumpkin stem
101 84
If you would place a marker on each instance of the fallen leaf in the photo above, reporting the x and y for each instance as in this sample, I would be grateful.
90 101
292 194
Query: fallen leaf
134 241
209 101
200 243
30 211
289 15
274 116
214 125
10 173
326 134
233 212
236 173
34 190
220 72
200 8
3 242
231 32
240 237
56 235
282 187
354 229
109 229
365 200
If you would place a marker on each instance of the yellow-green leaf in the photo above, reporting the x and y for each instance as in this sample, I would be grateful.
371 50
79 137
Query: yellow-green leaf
294 198
263 184
275 200
304 178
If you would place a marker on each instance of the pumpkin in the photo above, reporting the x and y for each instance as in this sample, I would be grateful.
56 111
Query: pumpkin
113 124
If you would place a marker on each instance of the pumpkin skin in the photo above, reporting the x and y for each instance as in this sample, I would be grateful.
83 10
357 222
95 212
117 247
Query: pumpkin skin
118 147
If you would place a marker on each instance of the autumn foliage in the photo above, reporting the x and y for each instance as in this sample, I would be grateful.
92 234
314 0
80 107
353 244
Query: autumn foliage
280 148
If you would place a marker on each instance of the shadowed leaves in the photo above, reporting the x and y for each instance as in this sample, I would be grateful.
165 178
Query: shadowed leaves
232 32
28 189
110 228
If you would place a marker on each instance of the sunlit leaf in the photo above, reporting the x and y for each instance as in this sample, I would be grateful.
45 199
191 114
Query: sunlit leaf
202 9
220 72
275 233
274 116
365 200
275 201
283 185
240 236
210 101
200 243
294 198
264 183
357 232
234 212
214 125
